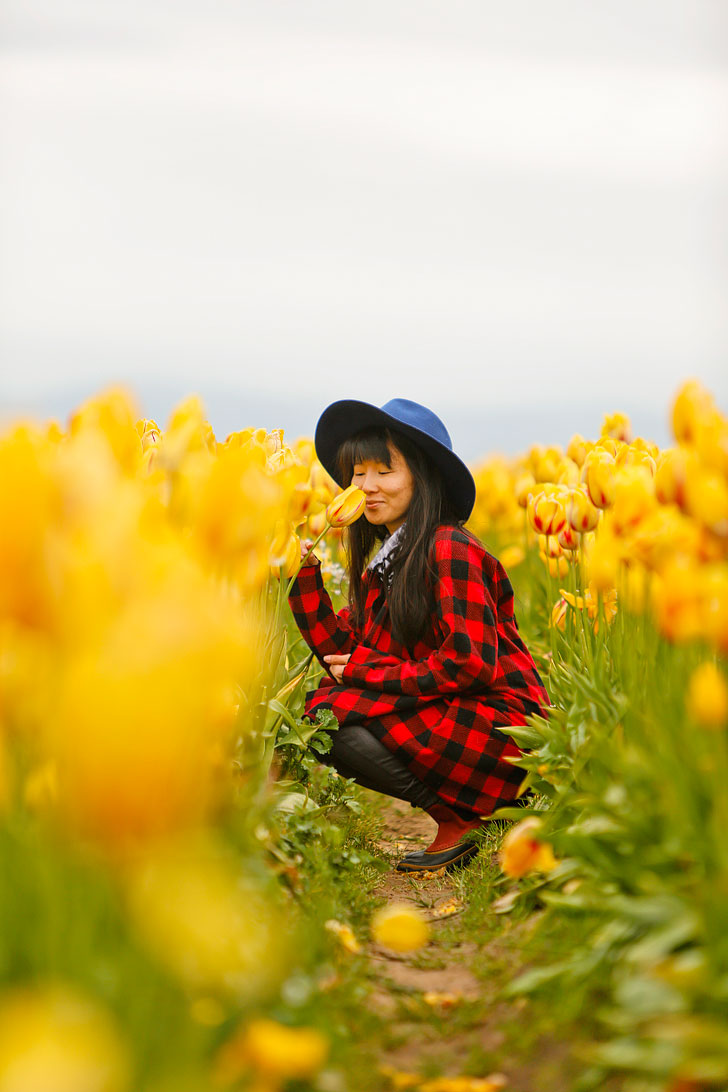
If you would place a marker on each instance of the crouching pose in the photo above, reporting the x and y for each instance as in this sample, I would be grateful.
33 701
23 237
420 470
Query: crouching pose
426 667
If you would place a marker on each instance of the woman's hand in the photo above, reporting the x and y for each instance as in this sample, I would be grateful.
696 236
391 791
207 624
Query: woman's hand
336 665
306 545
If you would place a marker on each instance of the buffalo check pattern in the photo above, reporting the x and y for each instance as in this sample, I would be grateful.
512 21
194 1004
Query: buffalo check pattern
443 707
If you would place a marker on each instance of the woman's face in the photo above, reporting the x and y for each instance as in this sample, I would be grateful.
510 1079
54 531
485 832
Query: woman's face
388 489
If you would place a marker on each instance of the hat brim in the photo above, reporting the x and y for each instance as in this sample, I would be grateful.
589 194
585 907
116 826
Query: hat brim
342 420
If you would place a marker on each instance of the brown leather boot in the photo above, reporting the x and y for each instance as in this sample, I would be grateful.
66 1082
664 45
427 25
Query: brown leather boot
450 849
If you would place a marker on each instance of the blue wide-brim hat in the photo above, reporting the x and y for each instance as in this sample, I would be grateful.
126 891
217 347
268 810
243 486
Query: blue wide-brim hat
342 420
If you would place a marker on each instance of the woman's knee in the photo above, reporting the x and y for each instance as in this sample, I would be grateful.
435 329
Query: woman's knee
349 744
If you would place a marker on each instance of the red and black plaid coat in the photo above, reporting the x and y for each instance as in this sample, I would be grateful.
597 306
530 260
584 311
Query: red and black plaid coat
443 709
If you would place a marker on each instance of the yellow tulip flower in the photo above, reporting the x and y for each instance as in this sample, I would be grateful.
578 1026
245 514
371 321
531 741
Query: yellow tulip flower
275 1052
618 426
707 696
634 499
347 507
580 512
523 850
400 927
598 476
706 499
53 1039
546 511
692 406
214 930
578 449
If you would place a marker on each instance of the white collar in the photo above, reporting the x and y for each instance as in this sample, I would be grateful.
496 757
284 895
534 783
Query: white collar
380 563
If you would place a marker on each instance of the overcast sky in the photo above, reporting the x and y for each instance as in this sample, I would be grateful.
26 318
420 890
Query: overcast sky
514 212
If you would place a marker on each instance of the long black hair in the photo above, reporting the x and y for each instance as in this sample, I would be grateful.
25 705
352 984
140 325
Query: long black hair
410 590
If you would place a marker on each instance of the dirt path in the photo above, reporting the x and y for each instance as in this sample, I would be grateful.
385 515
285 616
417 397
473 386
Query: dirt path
443 1006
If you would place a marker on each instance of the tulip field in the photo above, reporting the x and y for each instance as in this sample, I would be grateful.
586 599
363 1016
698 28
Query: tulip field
191 902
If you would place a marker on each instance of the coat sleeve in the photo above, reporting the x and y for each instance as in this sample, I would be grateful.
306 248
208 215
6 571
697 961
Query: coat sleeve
324 631
467 656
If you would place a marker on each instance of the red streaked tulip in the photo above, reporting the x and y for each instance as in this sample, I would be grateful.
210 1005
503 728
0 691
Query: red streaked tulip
346 507
580 512
546 512
598 476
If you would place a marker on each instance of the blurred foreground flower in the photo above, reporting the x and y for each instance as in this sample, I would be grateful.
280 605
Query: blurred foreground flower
275 1053
400 927
707 696
55 1040
345 935
524 851
139 720
213 928
493 1083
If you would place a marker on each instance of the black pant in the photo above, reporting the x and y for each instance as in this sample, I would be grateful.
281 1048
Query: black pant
357 753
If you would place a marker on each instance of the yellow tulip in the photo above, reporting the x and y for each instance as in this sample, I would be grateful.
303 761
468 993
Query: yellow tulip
547 464
567 539
569 473
632 456
345 935
138 713
598 476
707 696
214 930
610 445
618 426
549 546
523 850
285 550
347 507
523 488
706 499
546 511
111 415
673 467
511 556
321 479
677 595
578 449
400 927
580 512
188 431
53 1039
274 1051
692 405
634 499
317 524
557 566
604 559
714 612
31 502
558 614
712 442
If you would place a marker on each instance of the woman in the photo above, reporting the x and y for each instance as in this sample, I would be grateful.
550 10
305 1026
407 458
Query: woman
426 668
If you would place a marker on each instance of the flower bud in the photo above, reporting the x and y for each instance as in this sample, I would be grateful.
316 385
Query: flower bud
346 507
